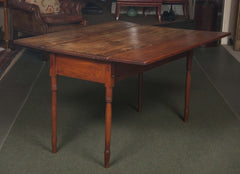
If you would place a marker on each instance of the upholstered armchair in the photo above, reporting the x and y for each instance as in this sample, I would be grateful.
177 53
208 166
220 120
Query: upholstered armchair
36 17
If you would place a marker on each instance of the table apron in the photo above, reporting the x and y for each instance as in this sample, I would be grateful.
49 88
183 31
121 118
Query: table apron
98 71
123 70
82 68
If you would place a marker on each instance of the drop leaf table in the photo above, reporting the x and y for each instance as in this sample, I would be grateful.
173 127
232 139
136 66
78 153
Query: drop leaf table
109 52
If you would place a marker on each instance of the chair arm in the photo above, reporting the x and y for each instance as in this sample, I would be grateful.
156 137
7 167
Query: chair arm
32 9
71 7
22 5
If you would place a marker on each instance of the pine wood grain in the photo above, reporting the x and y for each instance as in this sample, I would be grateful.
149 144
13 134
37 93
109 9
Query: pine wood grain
122 42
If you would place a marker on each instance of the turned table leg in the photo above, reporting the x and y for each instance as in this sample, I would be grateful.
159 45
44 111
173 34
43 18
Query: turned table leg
117 11
140 84
54 114
108 120
159 13
109 83
54 101
186 10
188 86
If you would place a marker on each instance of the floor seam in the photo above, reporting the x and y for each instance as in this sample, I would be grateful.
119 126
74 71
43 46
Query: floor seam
235 54
16 58
218 90
22 105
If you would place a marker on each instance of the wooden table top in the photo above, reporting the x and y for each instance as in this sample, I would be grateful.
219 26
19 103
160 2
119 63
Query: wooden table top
122 42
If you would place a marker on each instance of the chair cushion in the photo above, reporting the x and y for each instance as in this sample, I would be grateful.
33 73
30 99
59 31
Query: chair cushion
46 6
61 19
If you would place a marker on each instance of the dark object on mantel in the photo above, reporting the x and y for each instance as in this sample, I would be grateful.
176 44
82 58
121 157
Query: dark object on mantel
169 16
206 16
92 9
